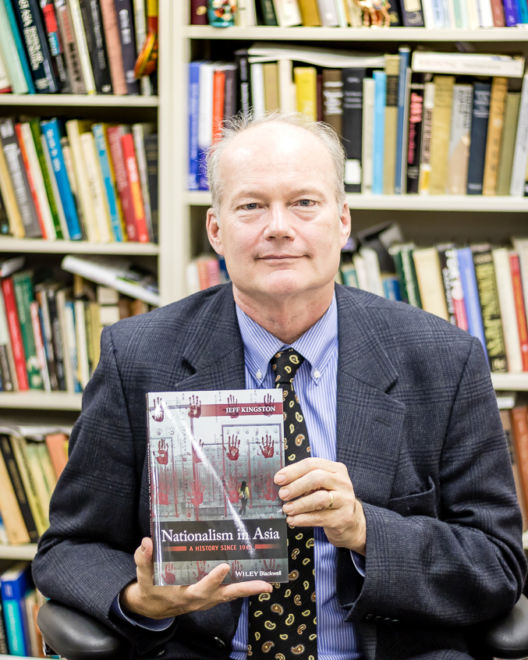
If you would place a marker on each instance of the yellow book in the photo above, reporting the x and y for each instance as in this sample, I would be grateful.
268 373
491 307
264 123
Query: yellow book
16 225
425 148
429 278
511 113
74 129
440 132
392 66
309 13
305 78
499 89
102 222
38 508
270 72
10 509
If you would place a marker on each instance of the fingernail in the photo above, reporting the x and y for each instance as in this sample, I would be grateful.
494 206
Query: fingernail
279 478
283 493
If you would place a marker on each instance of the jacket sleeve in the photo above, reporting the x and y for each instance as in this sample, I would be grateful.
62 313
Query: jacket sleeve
452 554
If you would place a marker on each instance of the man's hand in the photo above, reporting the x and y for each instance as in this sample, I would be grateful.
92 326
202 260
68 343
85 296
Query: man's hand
142 597
319 493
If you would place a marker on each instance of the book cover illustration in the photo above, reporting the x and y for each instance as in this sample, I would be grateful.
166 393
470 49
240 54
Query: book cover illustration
212 459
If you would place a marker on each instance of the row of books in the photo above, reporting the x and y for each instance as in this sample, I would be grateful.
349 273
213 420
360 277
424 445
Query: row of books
50 327
19 604
31 461
72 46
471 14
78 180
410 122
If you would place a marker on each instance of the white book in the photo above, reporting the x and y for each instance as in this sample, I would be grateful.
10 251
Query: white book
520 152
287 12
501 261
55 189
83 367
429 15
355 15
5 82
205 107
38 181
116 272
459 139
257 89
361 271
341 13
451 13
287 90
473 14
82 45
246 15
101 217
485 13
328 13
367 135
425 148
475 64
79 181
39 345
139 130
332 59
520 245
372 270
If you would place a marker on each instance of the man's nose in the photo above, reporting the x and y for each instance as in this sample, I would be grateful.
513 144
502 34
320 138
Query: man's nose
279 221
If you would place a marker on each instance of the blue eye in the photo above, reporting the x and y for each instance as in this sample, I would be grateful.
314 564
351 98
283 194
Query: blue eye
250 207
306 202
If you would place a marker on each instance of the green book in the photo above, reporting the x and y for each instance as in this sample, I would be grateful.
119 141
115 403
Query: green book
24 295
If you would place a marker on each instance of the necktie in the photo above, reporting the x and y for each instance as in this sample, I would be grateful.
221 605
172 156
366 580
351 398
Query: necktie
282 624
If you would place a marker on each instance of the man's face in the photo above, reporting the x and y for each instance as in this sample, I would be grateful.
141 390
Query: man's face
280 228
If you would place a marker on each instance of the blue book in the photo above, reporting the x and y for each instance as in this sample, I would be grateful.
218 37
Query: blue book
14 584
192 123
8 11
523 11
52 133
471 296
111 197
479 133
391 287
404 79
378 142
511 13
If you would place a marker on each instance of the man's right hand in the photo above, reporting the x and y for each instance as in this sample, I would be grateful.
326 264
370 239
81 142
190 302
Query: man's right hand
156 602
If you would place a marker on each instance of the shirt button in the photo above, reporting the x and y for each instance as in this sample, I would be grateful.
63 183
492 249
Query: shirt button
317 373
259 375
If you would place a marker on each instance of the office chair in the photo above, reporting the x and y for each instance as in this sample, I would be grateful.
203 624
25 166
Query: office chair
76 636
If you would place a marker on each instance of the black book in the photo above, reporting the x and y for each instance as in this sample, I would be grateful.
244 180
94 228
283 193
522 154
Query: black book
93 28
125 22
414 132
266 12
55 46
352 126
31 26
243 81
150 142
56 336
412 13
479 133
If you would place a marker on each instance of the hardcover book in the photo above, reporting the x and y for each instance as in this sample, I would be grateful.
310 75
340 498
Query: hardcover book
212 459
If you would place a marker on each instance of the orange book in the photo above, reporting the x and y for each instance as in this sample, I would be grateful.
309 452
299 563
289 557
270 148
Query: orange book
520 310
132 172
506 418
57 444
14 524
519 420
25 160
218 103
113 46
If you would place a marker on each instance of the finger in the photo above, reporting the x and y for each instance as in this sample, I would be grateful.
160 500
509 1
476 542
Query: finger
320 500
311 482
144 565
291 472
249 588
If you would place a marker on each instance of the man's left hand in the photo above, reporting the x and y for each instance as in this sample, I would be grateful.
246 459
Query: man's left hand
319 493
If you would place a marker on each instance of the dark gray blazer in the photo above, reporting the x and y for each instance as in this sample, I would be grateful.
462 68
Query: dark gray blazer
417 427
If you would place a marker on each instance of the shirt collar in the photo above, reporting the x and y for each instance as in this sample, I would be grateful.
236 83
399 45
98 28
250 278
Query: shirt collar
317 345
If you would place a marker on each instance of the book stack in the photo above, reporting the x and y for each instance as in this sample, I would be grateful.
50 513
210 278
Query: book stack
19 604
72 46
50 327
32 459
432 14
422 122
78 180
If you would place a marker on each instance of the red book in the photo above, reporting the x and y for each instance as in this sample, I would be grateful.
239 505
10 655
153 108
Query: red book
218 103
519 421
31 182
57 444
497 11
520 311
15 334
134 183
123 189
199 12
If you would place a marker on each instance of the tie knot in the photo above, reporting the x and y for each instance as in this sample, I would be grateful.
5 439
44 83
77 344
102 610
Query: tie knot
285 365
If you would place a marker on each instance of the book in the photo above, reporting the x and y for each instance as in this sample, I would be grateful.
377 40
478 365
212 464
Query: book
520 152
414 131
520 311
430 282
507 308
74 130
24 296
69 46
111 30
15 582
332 93
202 447
440 132
95 41
507 424
12 518
412 13
352 135
80 32
15 333
125 23
305 78
107 173
99 222
402 124
115 272
519 422
134 184
287 13
16 66
479 132
392 70
467 64
459 139
113 134
378 142
57 445
511 114
499 89
367 134
424 169
471 296
49 16
9 200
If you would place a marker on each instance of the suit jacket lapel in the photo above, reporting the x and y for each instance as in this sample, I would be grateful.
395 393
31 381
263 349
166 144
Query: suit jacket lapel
369 419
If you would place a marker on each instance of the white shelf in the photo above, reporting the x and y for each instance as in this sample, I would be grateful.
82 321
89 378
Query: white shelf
79 100
26 551
510 382
411 202
38 400
37 245
363 34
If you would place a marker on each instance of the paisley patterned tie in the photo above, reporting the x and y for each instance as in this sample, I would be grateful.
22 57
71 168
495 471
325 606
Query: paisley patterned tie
282 625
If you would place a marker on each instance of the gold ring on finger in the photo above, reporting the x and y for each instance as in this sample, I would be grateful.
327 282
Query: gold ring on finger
331 503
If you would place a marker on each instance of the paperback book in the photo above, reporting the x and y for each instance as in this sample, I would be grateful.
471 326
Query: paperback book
212 458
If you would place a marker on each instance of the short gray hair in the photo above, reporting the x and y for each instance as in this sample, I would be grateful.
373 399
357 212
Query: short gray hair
239 123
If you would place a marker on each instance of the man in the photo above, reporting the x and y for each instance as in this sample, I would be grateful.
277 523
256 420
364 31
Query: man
408 488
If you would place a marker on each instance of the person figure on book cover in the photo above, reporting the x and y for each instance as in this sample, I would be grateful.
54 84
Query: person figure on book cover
407 496
243 497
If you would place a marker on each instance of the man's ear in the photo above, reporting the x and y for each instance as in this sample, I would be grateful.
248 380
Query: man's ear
346 223
214 233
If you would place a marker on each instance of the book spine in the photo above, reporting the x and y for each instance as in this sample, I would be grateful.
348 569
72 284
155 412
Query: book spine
93 26
489 304
332 90
442 250
267 12
111 198
521 144
352 126
511 13
218 104
499 89
412 13
404 78
458 156
56 338
441 128
392 63
113 46
198 14
31 27
79 32
24 296
378 147
192 124
28 481
471 298
69 45
7 192
497 11
427 132
123 188
15 333
140 132
243 81
9 32
12 518
45 326
479 132
52 31
414 140
129 155
16 481
367 131
39 345
125 21
520 311
519 420
151 156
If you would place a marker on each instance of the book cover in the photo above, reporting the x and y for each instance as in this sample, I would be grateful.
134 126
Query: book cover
93 27
69 45
499 89
378 143
471 296
15 334
212 458
15 582
125 22
353 80
479 132
458 152
440 132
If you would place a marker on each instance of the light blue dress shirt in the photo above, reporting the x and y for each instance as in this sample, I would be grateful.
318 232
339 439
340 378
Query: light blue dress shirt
316 386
